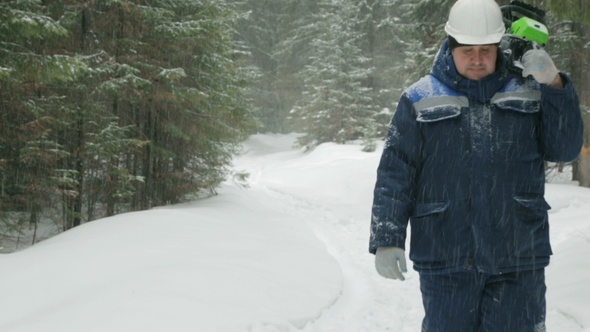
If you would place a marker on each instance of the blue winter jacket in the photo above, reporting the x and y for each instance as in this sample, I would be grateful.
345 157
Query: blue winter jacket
463 162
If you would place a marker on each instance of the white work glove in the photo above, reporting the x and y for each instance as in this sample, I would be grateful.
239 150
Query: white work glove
538 63
390 262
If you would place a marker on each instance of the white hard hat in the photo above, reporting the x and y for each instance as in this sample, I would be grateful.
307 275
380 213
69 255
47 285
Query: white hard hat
476 22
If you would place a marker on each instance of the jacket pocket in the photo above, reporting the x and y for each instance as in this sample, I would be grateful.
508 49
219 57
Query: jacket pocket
531 205
434 237
426 209
531 230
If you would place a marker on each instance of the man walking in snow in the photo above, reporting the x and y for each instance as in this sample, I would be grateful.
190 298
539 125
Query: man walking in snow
463 162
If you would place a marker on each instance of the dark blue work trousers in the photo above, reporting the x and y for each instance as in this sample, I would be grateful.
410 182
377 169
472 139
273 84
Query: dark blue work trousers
470 301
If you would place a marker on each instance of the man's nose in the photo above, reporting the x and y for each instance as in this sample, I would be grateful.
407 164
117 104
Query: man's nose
477 57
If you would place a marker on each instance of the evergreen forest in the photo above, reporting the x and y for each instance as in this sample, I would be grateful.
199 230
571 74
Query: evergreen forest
110 106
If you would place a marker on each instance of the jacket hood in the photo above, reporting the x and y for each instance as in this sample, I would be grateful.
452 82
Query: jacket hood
445 71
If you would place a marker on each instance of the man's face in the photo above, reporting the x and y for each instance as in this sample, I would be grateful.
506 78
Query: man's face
475 61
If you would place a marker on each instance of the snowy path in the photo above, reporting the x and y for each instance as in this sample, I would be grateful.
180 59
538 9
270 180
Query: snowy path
368 303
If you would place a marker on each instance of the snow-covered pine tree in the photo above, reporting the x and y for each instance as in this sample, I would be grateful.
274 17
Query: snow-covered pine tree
30 156
279 34
117 104
423 32
569 45
381 21
259 31
174 80
335 107
292 52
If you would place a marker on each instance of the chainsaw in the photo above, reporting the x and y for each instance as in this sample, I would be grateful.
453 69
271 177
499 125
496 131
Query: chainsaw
525 30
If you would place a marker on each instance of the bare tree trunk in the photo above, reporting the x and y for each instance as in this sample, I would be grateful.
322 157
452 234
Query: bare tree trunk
34 221
581 170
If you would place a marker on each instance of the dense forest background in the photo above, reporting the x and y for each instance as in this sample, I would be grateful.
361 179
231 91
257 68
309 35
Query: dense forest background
109 106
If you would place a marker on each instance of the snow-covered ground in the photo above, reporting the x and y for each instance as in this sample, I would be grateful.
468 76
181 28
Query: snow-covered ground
287 254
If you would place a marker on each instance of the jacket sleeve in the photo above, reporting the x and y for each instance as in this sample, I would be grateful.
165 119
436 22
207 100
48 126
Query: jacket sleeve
393 196
562 122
